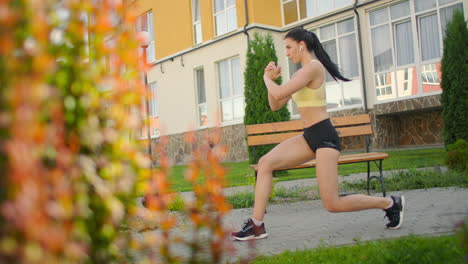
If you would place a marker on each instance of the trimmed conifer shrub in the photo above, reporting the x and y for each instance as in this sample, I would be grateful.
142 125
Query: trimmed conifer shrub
455 80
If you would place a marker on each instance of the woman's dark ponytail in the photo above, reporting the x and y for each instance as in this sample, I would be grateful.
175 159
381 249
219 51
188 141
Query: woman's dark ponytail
313 44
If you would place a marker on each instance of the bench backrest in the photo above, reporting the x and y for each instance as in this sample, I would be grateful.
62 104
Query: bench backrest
274 133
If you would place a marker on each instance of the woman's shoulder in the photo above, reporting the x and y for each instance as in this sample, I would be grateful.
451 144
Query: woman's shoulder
314 67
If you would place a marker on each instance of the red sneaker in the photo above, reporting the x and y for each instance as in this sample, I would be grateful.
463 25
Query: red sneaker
250 231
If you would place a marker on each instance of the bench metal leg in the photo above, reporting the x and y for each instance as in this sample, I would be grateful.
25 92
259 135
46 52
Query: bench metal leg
368 177
382 182
380 178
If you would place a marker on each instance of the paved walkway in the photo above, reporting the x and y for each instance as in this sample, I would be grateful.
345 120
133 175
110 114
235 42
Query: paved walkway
306 224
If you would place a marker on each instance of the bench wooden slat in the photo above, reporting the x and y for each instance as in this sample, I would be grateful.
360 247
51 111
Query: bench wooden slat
354 131
340 121
274 127
362 157
270 139
344 159
280 137
297 124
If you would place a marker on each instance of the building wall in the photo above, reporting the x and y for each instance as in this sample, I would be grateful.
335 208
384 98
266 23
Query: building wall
176 37
265 12
175 79
206 12
415 122
410 129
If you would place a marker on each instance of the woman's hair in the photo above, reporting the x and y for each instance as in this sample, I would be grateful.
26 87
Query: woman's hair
313 44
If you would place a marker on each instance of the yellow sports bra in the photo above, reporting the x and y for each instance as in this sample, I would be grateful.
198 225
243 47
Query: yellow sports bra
311 97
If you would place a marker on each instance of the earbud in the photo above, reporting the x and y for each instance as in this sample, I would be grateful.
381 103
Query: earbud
300 48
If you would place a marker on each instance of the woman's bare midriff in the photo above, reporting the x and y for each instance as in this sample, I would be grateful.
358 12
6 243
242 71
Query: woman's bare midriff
312 114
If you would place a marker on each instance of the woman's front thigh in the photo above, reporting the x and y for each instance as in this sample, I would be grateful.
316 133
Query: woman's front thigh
289 153
327 173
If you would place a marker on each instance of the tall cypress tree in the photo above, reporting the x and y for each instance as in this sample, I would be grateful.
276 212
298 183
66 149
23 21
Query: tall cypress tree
260 52
455 80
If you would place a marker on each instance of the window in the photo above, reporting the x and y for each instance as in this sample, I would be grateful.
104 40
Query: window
201 97
145 23
339 41
429 37
383 85
225 16
446 14
197 30
153 110
429 74
397 49
383 49
294 10
405 79
291 10
153 102
153 121
230 90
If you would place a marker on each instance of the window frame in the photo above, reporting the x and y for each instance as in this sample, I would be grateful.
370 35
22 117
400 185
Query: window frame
418 64
153 109
151 49
232 97
225 10
429 72
197 103
391 25
336 39
196 23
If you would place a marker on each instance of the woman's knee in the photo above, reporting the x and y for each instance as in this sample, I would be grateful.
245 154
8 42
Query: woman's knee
332 204
265 164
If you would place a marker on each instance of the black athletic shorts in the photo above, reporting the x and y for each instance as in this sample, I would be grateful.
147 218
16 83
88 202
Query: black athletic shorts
322 135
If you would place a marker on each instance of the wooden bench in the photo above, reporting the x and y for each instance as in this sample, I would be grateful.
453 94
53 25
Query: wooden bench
347 126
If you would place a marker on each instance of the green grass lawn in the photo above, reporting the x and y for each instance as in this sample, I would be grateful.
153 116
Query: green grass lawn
399 159
239 173
412 179
407 250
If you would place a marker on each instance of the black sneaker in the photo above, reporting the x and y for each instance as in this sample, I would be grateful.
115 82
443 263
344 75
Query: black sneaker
250 231
395 213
